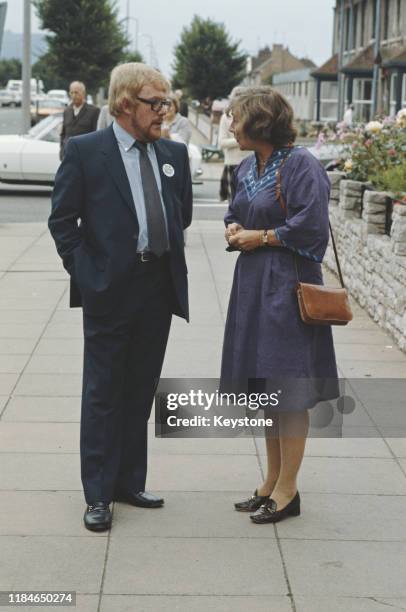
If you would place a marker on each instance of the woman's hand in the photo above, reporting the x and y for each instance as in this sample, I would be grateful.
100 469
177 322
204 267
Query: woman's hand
246 240
231 230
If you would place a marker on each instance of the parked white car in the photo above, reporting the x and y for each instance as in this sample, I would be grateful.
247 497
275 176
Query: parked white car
58 94
33 158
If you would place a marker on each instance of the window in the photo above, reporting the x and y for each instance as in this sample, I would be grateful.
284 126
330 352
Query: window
393 90
300 89
362 32
362 99
373 19
306 88
386 31
328 101
399 16
355 27
294 89
347 30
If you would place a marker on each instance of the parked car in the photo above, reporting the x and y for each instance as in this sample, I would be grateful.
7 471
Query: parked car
33 158
44 107
8 98
59 94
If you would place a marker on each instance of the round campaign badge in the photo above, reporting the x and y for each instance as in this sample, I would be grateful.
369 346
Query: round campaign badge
168 170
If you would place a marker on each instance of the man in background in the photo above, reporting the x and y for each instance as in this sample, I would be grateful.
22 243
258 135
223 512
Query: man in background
79 117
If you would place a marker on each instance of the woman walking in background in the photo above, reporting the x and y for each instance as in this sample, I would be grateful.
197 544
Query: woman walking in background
278 219
233 155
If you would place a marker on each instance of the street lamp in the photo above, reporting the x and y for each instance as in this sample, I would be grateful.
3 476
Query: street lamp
137 23
26 85
152 54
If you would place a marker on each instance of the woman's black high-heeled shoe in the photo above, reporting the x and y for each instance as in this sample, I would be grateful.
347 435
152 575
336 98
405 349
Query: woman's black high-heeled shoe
251 504
268 513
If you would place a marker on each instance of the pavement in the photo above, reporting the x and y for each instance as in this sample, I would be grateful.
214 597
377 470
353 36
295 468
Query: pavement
347 551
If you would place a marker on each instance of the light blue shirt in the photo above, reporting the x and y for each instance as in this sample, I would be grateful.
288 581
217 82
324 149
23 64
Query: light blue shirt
131 159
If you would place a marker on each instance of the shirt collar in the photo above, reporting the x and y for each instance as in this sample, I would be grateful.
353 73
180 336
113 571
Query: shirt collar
125 138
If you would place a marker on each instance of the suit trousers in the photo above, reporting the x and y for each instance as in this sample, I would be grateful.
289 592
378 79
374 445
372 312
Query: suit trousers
123 357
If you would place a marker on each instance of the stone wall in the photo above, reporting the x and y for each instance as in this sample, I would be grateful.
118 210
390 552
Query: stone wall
373 264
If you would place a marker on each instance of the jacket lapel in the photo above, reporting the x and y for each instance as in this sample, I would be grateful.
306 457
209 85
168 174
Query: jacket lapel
115 167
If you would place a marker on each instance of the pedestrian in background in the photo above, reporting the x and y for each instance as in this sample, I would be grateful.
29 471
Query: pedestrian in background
105 119
176 127
132 193
348 118
183 105
79 117
233 155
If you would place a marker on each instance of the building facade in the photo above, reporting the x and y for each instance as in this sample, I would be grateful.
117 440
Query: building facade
298 87
368 63
261 69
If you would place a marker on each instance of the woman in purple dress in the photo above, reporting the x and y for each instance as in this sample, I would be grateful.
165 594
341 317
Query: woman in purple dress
278 219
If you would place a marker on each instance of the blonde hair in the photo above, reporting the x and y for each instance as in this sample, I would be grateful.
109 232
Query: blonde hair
126 82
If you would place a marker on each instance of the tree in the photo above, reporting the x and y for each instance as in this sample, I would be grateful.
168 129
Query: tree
86 39
9 69
44 69
206 62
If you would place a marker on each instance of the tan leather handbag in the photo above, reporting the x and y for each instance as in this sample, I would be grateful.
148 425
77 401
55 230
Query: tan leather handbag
318 304
321 305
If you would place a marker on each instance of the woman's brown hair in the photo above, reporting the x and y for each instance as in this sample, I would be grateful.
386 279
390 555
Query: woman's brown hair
265 115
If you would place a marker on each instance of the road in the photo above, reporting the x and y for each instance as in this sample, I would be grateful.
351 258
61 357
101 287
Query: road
27 204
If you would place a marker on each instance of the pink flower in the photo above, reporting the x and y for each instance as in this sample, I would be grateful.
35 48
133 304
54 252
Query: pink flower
368 142
392 152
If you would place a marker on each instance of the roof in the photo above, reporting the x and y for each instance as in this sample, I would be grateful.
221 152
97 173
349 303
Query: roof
292 76
362 63
394 57
328 69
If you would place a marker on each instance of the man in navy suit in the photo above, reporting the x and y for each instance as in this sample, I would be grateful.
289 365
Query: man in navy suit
121 202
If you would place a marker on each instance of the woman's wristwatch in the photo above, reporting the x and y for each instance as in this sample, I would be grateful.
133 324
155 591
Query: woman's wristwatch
265 238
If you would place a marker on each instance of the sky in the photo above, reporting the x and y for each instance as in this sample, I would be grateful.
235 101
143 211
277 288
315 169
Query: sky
305 26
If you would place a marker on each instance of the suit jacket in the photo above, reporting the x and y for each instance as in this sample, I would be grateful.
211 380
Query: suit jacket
84 122
100 253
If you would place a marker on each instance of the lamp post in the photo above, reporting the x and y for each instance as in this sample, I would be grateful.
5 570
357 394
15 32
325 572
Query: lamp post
152 56
26 72
137 22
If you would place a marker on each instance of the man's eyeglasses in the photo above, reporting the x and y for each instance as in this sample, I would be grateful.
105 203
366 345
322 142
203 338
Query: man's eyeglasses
157 104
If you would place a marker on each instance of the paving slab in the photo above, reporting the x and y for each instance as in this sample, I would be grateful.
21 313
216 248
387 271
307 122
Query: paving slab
346 569
52 385
39 437
44 409
351 475
349 604
189 566
17 346
40 472
199 446
84 603
10 364
188 603
397 446
51 513
53 346
203 473
7 383
66 563
47 364
333 516
189 515
340 447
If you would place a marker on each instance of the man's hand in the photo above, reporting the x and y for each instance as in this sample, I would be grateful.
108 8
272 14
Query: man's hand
231 230
246 240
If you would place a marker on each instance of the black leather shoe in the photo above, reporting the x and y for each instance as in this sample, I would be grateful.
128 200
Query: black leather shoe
143 499
97 517
268 513
251 504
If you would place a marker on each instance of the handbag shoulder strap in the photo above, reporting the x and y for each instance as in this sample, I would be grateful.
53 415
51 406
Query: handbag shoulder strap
282 202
